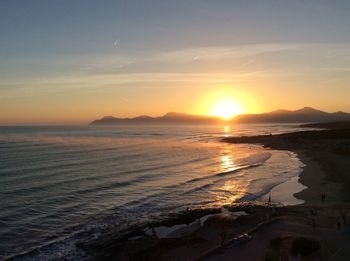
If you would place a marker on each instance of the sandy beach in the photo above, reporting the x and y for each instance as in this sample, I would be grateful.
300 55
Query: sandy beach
315 230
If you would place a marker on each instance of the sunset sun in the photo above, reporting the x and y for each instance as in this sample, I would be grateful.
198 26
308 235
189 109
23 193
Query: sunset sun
226 109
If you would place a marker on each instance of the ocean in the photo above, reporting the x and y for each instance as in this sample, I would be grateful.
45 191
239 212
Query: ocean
59 184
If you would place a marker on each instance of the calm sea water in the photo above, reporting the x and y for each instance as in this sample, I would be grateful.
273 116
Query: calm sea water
56 183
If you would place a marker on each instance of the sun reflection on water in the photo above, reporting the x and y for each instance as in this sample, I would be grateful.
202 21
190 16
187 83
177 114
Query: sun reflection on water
227 130
231 189
226 158
226 155
226 163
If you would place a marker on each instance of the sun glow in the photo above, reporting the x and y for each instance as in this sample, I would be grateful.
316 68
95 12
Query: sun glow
226 109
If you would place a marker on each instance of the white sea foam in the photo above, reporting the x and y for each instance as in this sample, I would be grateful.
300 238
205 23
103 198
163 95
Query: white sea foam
256 158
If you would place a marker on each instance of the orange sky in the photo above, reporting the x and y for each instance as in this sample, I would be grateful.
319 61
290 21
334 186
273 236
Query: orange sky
77 107
77 63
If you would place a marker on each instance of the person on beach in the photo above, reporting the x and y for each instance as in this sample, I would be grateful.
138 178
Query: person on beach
343 214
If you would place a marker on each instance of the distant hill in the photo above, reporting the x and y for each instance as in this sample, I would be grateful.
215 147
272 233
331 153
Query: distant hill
337 125
169 118
304 115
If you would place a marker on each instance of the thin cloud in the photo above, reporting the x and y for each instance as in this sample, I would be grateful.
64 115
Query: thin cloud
220 52
115 43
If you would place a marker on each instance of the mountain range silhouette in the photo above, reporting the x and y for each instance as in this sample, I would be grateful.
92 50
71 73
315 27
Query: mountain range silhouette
304 115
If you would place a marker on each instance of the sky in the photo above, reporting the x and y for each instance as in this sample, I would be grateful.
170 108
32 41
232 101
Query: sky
72 61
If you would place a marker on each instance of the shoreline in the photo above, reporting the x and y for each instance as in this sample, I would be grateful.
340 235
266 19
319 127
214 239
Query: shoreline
325 154
213 239
314 178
